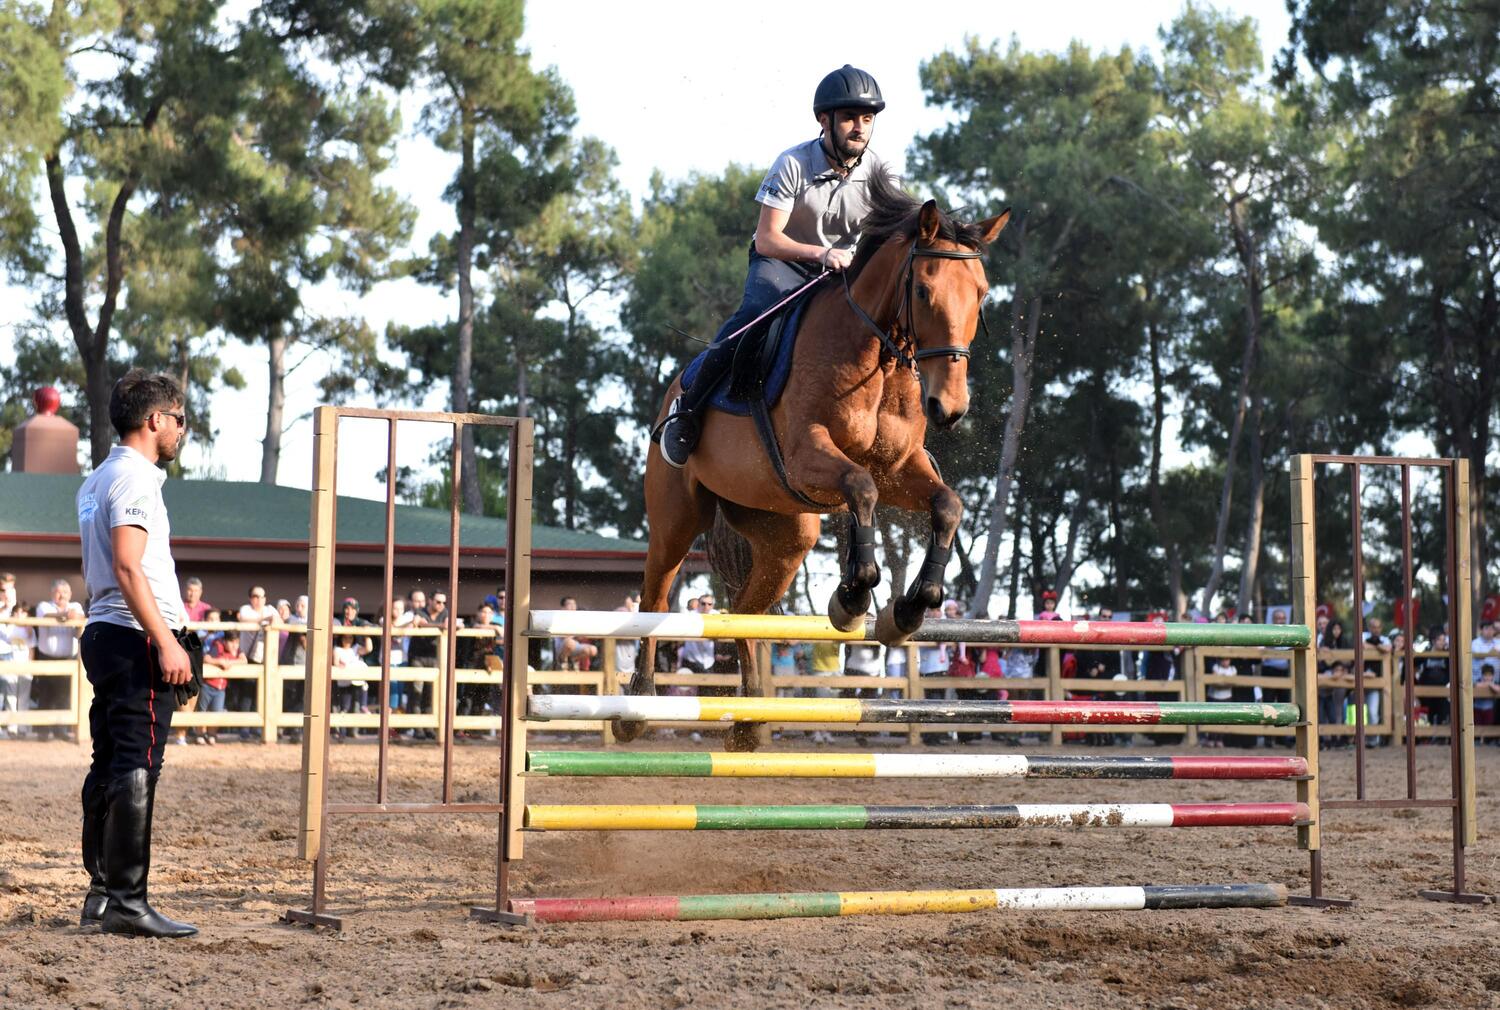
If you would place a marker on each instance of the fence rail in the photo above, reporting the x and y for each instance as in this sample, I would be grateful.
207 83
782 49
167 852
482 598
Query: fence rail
1192 682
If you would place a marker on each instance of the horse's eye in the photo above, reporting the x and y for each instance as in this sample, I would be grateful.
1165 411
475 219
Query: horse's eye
922 292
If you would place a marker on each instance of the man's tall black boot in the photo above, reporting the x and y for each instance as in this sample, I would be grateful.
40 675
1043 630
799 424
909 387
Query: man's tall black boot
95 803
127 861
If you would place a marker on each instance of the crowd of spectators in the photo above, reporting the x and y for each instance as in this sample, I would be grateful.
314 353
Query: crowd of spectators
357 660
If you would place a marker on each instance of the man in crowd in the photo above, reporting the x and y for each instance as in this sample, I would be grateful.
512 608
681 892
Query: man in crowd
351 690
1376 647
421 652
572 653
60 642
294 655
1484 649
16 643
628 650
131 650
193 604
241 694
196 609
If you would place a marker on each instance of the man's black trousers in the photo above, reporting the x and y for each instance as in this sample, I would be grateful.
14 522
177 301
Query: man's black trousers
132 709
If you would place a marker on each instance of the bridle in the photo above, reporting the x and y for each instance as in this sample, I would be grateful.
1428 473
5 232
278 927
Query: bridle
908 353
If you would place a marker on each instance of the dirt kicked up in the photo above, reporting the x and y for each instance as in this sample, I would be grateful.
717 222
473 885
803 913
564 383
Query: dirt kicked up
225 860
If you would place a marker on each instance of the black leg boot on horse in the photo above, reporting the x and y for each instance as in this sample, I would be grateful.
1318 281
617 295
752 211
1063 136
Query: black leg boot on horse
850 602
95 805
899 619
127 861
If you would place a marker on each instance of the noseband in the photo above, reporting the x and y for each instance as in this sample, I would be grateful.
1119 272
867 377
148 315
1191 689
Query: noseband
907 353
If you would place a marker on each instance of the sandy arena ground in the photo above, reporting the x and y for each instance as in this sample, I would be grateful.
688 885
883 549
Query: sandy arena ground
225 860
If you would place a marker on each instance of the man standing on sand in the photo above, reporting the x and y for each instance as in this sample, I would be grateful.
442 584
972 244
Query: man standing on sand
133 650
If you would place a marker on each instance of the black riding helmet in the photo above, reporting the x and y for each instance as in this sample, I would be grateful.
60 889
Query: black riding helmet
847 88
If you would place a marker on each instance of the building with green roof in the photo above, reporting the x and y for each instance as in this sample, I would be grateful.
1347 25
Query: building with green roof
232 534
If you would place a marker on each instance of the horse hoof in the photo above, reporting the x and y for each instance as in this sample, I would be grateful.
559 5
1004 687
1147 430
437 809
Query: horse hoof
626 730
843 619
887 630
742 737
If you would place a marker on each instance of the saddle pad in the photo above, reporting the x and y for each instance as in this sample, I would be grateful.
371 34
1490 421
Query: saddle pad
776 377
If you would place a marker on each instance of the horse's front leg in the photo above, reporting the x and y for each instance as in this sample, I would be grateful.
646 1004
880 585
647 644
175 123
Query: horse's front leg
819 469
916 487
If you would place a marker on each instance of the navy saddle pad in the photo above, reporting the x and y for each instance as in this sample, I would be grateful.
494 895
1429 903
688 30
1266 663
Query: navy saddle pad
775 377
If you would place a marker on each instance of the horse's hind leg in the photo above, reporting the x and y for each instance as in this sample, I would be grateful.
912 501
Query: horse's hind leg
916 487
778 543
677 510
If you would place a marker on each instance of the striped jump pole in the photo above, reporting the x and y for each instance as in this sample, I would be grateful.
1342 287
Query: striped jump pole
814 817
698 764
841 903
893 710
780 627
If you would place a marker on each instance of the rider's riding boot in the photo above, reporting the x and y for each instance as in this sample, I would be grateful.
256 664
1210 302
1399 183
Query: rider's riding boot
127 861
95 803
679 435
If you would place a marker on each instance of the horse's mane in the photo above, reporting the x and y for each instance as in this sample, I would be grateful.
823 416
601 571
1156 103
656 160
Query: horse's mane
893 215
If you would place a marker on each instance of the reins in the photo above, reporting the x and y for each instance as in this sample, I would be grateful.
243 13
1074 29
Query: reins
908 355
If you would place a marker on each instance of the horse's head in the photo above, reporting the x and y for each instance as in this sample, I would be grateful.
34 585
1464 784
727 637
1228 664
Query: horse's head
945 295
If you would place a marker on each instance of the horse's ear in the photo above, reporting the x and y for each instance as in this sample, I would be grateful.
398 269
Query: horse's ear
994 226
928 223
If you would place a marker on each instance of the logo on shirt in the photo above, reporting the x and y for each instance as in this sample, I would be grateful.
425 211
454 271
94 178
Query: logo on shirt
87 506
770 189
137 508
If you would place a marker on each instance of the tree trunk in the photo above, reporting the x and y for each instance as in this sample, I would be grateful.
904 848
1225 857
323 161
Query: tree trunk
1250 569
1116 524
570 471
1250 262
270 453
1015 577
523 393
897 542
1035 528
1468 424
1024 325
1158 506
463 358
1067 564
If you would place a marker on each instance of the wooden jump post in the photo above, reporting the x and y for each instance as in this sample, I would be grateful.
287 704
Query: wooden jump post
315 809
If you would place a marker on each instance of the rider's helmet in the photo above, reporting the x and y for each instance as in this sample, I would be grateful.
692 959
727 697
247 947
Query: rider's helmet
847 88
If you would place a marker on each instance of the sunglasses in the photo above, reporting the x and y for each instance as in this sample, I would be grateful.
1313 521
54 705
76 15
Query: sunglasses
180 417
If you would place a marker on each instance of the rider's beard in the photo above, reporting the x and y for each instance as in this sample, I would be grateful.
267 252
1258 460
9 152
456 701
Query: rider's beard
846 154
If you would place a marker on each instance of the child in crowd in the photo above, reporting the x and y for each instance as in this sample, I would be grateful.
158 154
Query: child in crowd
221 655
1223 667
1485 693
1331 700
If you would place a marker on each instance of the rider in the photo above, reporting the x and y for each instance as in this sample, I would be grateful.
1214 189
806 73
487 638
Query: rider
812 204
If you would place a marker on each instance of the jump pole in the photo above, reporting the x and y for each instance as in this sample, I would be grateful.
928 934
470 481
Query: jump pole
701 764
841 903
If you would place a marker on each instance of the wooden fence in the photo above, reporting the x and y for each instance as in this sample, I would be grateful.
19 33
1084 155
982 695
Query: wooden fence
1192 680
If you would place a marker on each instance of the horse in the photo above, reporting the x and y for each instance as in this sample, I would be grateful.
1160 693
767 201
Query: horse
877 359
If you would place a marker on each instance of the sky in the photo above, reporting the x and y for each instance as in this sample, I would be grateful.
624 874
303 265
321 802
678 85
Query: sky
677 87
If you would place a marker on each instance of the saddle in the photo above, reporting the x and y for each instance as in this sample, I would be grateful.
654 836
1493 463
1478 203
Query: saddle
761 366
757 377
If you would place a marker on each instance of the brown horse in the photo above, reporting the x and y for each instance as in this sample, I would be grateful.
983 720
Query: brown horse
877 358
